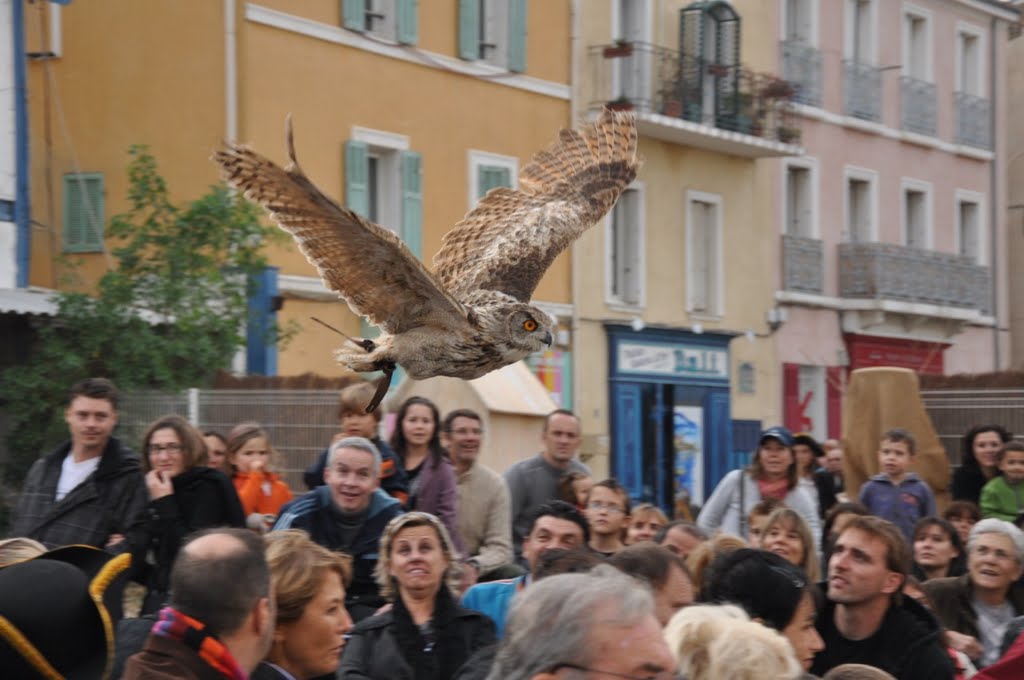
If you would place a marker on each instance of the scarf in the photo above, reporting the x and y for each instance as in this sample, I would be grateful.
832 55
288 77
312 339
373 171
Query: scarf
439 655
777 489
191 633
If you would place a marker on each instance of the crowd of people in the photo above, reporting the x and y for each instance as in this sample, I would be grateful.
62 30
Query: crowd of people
409 559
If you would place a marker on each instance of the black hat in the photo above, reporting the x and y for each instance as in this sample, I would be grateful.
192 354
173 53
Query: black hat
809 441
54 617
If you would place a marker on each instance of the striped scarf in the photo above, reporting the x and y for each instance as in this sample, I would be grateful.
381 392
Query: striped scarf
186 630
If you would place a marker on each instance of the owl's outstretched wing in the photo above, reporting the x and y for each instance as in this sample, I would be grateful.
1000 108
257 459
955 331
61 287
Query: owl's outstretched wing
367 265
511 237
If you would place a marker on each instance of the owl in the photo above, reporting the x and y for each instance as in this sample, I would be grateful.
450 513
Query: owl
472 313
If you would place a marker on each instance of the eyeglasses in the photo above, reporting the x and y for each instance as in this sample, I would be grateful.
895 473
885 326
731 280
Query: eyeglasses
664 675
160 448
598 505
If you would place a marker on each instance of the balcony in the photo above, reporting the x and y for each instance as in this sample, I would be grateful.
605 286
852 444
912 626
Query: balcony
862 91
973 120
801 65
885 271
692 101
919 103
802 264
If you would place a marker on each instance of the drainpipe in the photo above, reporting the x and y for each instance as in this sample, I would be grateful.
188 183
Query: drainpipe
993 203
574 279
22 210
230 72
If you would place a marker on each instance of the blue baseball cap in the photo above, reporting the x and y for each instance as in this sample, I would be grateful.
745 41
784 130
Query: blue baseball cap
782 434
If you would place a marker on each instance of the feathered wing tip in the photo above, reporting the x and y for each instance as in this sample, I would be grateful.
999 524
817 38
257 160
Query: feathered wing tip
289 137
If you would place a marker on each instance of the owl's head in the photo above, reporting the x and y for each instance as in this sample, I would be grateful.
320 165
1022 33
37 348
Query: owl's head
530 329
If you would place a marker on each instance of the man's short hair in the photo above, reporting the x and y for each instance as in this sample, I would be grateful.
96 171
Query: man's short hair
613 485
897 552
550 622
562 510
559 412
992 525
648 562
686 526
221 590
95 388
359 443
898 434
557 561
354 398
446 425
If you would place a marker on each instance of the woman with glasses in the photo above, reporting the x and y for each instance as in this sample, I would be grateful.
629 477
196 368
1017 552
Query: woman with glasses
184 496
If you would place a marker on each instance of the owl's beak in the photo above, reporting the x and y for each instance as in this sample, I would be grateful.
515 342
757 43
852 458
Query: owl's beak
547 338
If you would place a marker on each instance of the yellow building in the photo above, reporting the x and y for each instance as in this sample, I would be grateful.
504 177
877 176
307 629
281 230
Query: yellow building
674 293
408 111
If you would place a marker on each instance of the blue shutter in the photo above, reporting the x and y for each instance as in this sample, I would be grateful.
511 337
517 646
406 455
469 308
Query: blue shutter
469 29
408 22
83 213
412 202
717 438
627 449
261 352
357 181
517 35
353 14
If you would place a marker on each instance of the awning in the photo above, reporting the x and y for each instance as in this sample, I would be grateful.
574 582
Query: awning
35 301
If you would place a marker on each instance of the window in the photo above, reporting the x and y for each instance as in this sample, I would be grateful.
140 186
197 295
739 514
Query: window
801 212
860 46
969 76
490 170
631 22
493 31
917 62
917 216
624 243
969 226
860 215
389 19
704 267
800 21
83 213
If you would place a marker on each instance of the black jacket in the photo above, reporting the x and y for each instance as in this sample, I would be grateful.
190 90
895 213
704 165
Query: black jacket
203 498
104 504
825 484
908 644
968 479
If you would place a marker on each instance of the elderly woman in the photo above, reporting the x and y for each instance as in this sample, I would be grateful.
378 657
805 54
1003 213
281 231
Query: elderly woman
426 635
184 496
312 622
975 608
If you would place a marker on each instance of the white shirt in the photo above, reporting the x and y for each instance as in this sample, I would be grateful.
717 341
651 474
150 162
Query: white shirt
72 474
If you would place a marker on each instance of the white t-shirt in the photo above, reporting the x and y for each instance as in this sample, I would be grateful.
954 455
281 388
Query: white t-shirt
72 474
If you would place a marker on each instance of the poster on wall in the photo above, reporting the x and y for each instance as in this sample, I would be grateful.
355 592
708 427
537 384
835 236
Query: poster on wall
688 443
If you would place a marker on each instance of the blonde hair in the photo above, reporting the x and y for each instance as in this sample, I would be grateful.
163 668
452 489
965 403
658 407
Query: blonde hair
19 549
413 519
298 567
354 398
784 515
719 641
701 557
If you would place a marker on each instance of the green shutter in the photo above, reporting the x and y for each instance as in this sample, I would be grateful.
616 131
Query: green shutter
517 35
353 14
357 189
469 29
412 202
408 22
490 176
83 213
366 330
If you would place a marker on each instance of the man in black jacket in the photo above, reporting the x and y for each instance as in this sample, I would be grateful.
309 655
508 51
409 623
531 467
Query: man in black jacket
90 488
865 618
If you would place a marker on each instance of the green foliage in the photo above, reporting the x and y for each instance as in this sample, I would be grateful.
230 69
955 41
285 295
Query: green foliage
169 315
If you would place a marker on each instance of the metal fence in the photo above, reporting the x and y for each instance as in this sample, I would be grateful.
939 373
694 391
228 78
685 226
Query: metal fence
299 423
953 412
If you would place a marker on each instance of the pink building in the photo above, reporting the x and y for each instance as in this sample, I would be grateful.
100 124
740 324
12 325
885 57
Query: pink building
893 225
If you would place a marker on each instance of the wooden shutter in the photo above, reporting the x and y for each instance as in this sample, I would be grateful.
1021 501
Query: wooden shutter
353 14
517 35
491 176
357 180
469 29
407 20
412 202
791 396
699 293
83 213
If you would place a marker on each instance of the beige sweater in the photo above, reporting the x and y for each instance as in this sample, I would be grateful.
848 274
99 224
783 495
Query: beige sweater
485 517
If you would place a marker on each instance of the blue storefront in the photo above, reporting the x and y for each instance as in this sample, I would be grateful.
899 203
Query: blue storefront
671 428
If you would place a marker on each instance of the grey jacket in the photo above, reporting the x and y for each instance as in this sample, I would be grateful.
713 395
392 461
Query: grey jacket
105 503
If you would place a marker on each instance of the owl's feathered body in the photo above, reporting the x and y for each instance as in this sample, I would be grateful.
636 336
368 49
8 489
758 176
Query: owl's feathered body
472 314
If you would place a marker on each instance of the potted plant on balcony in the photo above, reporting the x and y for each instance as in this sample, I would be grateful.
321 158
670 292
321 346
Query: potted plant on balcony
621 48
788 135
620 104
718 70
777 88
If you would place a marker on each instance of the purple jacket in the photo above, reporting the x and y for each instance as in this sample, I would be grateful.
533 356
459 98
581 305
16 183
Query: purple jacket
437 494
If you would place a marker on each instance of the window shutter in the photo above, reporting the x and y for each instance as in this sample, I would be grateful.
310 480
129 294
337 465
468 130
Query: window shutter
491 176
700 256
412 202
83 213
469 29
791 396
357 190
408 22
353 14
517 35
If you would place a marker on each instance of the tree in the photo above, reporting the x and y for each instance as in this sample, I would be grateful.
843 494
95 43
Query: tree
167 316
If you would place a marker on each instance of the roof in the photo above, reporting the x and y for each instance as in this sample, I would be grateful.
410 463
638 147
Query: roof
34 301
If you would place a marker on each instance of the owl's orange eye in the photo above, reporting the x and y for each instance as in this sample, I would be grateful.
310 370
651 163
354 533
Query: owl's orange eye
530 325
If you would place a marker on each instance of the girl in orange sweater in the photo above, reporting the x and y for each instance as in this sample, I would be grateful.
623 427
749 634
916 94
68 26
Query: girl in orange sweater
261 491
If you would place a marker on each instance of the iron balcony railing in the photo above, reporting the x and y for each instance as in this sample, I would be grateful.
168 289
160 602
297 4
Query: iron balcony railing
885 271
801 65
919 104
862 90
973 120
802 264
654 79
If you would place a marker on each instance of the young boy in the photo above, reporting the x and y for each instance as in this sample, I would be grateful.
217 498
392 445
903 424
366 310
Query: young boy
355 422
1003 497
608 516
896 494
757 518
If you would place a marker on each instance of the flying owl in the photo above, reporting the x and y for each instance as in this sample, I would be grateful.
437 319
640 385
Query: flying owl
472 314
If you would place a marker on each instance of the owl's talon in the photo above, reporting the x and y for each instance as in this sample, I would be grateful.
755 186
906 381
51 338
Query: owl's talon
383 383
